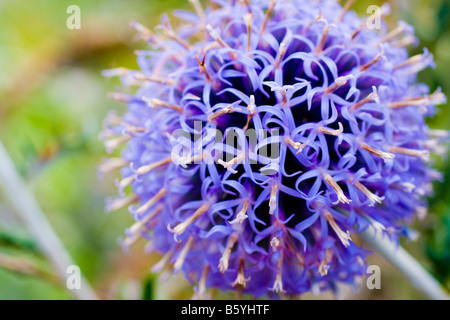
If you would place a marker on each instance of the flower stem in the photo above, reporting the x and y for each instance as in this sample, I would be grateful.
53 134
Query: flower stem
15 191
406 264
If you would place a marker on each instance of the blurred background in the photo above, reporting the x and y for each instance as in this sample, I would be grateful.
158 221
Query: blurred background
52 103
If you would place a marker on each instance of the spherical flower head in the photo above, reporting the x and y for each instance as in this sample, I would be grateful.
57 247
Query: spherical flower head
264 135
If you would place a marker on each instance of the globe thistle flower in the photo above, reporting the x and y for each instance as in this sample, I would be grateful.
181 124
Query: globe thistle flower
338 142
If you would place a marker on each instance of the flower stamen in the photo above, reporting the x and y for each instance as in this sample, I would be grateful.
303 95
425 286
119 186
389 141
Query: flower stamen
240 279
297 145
345 9
120 203
185 161
332 132
333 184
423 154
202 66
251 111
159 266
421 212
112 119
404 42
223 262
278 284
435 98
115 72
139 224
248 19
182 256
132 129
217 114
173 36
198 9
133 233
241 216
152 166
152 201
216 36
153 103
370 98
386 156
443 134
144 33
321 43
339 82
275 243
433 145
343 236
377 58
407 186
373 198
319 17
143 77
112 144
180 228
414 60
323 266
229 165
201 294
267 16
273 199
394 33
112 164
282 51
120 97
125 182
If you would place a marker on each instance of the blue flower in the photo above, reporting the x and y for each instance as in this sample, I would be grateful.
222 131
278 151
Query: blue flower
262 136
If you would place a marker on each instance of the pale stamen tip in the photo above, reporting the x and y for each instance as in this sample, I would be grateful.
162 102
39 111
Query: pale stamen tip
344 237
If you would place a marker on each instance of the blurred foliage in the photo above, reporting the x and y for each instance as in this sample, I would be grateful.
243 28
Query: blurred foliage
52 102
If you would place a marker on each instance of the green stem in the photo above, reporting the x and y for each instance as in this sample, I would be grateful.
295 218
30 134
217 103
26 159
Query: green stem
22 201
406 264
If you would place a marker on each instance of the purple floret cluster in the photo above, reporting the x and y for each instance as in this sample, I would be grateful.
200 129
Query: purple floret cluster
340 143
